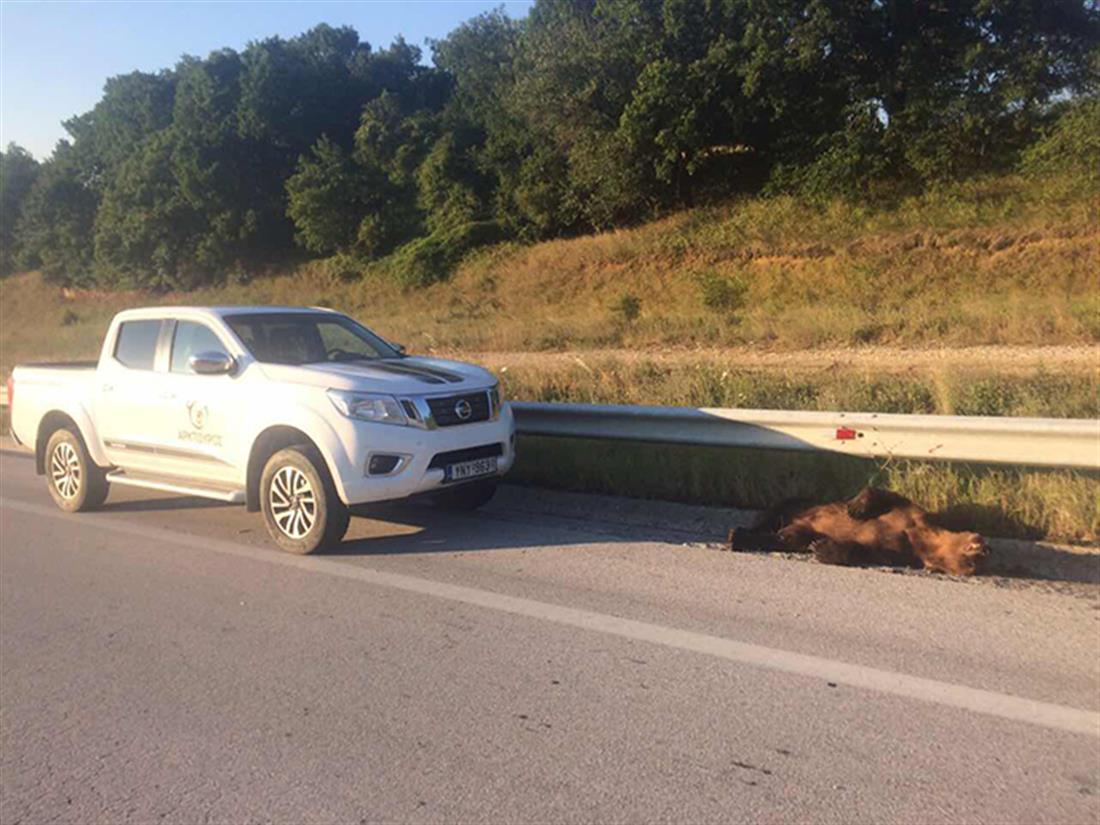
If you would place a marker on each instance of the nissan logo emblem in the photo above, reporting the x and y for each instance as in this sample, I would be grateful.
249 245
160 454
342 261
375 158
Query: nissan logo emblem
463 409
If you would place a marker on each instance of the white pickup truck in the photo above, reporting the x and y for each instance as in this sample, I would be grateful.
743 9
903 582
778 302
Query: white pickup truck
301 413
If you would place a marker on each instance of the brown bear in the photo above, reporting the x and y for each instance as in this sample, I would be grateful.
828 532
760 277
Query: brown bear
877 527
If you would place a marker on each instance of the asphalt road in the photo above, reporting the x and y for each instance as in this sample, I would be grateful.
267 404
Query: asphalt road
158 663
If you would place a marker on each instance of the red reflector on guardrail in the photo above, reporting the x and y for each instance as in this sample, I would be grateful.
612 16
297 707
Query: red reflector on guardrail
845 434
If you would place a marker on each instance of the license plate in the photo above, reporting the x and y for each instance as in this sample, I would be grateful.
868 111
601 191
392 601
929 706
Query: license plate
470 469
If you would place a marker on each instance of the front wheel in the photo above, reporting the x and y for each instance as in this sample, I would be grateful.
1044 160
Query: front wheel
468 496
76 483
302 509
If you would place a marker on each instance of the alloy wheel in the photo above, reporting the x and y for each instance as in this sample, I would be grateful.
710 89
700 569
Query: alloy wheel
293 502
65 470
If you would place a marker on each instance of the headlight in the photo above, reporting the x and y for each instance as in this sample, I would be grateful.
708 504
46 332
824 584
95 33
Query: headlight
368 406
495 397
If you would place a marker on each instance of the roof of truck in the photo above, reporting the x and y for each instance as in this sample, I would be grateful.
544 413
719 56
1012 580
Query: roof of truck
169 311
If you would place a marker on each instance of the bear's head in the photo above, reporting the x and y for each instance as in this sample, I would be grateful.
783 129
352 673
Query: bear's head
959 554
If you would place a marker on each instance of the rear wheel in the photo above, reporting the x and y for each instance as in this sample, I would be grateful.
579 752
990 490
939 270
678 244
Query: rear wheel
301 507
468 496
75 482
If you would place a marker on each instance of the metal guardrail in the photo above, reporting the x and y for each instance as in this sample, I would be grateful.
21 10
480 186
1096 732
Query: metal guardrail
1044 442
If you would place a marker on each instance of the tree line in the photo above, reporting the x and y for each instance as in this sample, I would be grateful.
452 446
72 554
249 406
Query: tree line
586 115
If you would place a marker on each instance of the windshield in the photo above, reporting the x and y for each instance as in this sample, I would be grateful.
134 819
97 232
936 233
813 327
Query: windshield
307 338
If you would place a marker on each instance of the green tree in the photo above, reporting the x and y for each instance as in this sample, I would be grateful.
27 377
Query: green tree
18 171
133 107
587 114
452 190
54 229
958 87
329 196
365 200
146 231
1071 143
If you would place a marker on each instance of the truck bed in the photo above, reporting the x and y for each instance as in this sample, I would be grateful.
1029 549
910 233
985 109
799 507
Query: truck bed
41 387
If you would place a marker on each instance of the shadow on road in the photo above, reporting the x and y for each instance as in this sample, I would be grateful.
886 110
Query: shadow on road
409 529
1036 560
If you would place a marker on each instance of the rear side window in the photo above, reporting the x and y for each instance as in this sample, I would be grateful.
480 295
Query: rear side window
192 339
136 347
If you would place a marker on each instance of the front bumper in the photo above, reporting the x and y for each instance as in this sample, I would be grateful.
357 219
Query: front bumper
361 439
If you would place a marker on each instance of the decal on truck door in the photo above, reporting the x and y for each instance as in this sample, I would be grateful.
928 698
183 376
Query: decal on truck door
197 416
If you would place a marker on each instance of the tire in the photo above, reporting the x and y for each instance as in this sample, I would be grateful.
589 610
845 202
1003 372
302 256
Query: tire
468 496
76 483
302 510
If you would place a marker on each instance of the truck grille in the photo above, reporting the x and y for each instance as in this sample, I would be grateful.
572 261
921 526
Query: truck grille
445 410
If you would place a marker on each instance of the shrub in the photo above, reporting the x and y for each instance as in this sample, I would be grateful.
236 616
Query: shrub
434 257
724 294
628 308
1087 314
986 397
343 266
849 162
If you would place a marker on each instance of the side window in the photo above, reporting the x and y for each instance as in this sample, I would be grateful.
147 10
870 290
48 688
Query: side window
191 339
136 346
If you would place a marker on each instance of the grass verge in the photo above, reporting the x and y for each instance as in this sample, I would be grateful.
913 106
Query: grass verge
1040 391
1008 502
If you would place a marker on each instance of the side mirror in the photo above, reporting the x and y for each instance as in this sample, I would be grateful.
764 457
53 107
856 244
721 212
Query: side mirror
399 347
211 363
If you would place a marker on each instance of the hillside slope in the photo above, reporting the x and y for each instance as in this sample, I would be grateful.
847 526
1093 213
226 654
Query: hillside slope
1000 261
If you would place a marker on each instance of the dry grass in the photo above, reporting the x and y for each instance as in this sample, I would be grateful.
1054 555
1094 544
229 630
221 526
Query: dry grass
999 264
1039 391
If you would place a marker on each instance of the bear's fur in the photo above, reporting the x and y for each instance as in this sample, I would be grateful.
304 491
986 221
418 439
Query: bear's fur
877 527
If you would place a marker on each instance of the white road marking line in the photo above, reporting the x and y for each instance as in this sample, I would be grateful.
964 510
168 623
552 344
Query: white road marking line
990 703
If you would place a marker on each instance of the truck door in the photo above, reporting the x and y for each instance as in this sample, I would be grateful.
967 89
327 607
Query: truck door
127 395
200 414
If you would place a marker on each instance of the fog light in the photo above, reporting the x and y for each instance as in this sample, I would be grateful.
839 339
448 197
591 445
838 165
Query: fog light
381 464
